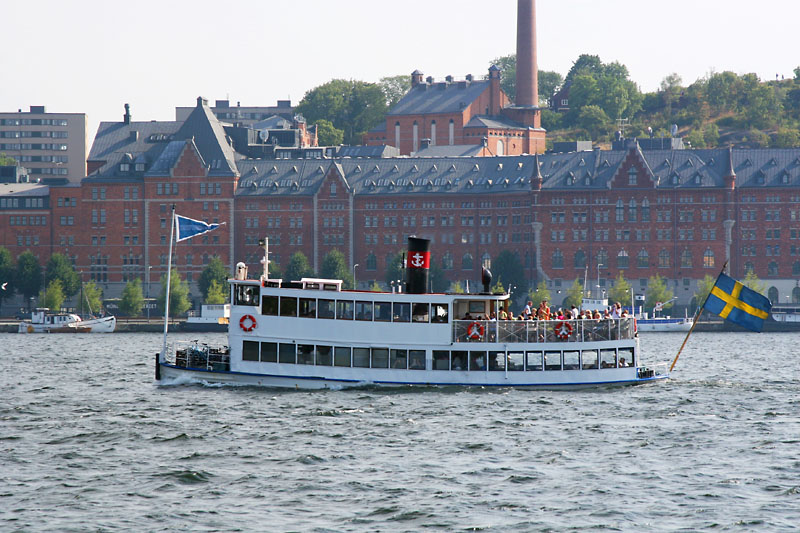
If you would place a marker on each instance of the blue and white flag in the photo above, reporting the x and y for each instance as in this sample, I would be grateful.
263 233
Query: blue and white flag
738 304
189 227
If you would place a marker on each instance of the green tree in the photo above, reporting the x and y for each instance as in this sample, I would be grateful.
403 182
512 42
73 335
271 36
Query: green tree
753 281
593 119
696 139
216 293
711 135
178 294
60 267
457 288
704 287
785 138
53 297
657 291
298 267
7 268
215 270
547 80
797 74
508 268
574 294
621 291
93 296
334 266
539 294
28 275
375 287
395 270
438 279
351 106
328 134
132 301
7 160
395 88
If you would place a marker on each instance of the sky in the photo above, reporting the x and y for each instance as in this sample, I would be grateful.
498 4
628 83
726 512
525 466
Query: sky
93 56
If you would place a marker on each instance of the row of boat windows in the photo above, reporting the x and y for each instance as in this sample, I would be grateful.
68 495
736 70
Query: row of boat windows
354 310
471 360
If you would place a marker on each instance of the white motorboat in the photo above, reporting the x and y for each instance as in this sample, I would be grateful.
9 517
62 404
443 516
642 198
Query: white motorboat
44 321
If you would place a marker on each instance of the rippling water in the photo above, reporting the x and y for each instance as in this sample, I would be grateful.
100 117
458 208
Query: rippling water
88 441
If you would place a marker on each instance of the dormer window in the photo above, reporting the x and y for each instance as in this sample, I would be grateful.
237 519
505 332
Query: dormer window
333 189
124 167
139 167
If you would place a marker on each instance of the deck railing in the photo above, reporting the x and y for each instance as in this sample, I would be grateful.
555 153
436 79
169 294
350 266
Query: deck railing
531 331
199 355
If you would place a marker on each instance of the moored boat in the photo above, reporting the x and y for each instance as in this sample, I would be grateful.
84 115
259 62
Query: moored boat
44 321
312 334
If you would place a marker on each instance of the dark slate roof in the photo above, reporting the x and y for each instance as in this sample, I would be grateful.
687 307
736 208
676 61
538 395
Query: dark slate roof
440 97
114 141
495 123
455 150
209 136
167 159
275 122
368 151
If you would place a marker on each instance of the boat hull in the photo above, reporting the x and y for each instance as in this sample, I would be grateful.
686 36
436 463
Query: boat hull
545 380
665 325
96 325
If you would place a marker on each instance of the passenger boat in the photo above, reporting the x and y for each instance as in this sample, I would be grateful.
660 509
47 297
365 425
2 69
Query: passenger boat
212 317
312 334
44 321
664 324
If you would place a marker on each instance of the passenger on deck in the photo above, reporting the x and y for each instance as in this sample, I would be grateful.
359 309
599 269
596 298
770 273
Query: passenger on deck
623 362
544 311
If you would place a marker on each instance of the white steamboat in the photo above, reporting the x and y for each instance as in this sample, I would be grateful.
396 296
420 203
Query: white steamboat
312 334
44 321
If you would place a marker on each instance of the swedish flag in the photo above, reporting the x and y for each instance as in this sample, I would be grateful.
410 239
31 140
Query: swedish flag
738 304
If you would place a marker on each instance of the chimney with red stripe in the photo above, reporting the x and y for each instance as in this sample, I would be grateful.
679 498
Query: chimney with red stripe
418 265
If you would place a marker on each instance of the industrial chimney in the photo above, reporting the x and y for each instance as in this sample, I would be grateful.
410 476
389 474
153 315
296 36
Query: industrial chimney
527 69
418 265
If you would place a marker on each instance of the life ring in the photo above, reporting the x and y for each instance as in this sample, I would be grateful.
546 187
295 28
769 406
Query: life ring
247 323
563 330
475 331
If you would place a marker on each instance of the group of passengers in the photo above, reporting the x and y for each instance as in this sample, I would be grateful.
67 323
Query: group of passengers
545 312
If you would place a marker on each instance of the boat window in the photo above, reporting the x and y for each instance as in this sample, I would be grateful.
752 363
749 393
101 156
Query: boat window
269 352
361 357
458 360
552 360
288 306
250 351
439 313
286 352
305 354
419 312
534 361
245 295
325 309
324 356
401 312
380 358
497 360
441 360
608 358
364 311
341 356
416 359
308 307
269 305
626 357
344 310
383 311
399 358
589 359
477 360
571 360
516 361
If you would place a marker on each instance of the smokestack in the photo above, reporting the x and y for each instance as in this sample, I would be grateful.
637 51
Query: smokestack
126 118
527 69
418 265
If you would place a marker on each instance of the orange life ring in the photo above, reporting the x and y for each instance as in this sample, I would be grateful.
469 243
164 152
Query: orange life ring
475 330
247 323
563 330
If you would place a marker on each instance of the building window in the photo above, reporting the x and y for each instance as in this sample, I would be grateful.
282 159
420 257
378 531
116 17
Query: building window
466 262
663 259
579 260
372 262
451 133
643 259
708 258
622 259
686 259
415 137
447 261
632 176
558 259
772 268
602 258
486 261
632 211
619 212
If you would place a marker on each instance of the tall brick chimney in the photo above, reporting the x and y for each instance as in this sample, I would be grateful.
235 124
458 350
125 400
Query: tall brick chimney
527 69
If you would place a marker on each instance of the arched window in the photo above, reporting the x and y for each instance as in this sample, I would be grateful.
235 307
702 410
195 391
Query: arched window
372 262
772 294
748 267
447 261
579 260
796 268
433 133
663 259
415 137
466 262
451 133
632 210
486 261
643 259
500 147
645 210
558 259
397 134
620 211
772 268
686 258
602 258
622 259
708 258
796 295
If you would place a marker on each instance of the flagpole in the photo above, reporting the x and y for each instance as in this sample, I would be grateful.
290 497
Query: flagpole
169 273
697 317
